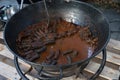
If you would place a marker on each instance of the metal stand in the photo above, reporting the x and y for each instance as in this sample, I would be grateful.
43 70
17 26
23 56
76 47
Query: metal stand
102 64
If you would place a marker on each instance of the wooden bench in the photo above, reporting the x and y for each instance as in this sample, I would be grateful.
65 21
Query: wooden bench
111 70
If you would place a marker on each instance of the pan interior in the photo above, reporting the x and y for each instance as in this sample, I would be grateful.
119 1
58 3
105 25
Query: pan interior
80 13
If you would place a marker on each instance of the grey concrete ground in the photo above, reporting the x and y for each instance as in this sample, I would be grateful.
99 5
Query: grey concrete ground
7 2
114 20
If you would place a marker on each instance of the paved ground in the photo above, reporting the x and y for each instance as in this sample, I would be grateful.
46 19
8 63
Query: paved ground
8 2
114 19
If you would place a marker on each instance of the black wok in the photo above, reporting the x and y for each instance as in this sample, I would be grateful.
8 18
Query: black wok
81 14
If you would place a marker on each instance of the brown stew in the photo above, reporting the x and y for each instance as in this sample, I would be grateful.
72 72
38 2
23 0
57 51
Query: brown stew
61 42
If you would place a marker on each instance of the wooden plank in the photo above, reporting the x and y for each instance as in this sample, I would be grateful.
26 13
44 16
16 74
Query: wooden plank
1 47
108 64
7 57
5 52
6 60
1 34
107 72
10 72
74 78
10 62
3 78
114 44
24 67
111 57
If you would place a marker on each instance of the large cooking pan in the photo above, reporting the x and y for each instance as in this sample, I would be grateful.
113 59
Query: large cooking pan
81 14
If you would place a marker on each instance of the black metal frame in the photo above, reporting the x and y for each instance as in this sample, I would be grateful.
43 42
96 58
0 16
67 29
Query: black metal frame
45 78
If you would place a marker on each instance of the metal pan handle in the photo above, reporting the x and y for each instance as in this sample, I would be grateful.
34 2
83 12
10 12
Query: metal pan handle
21 4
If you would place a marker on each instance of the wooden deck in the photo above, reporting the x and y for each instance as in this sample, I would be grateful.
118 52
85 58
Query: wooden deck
110 72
